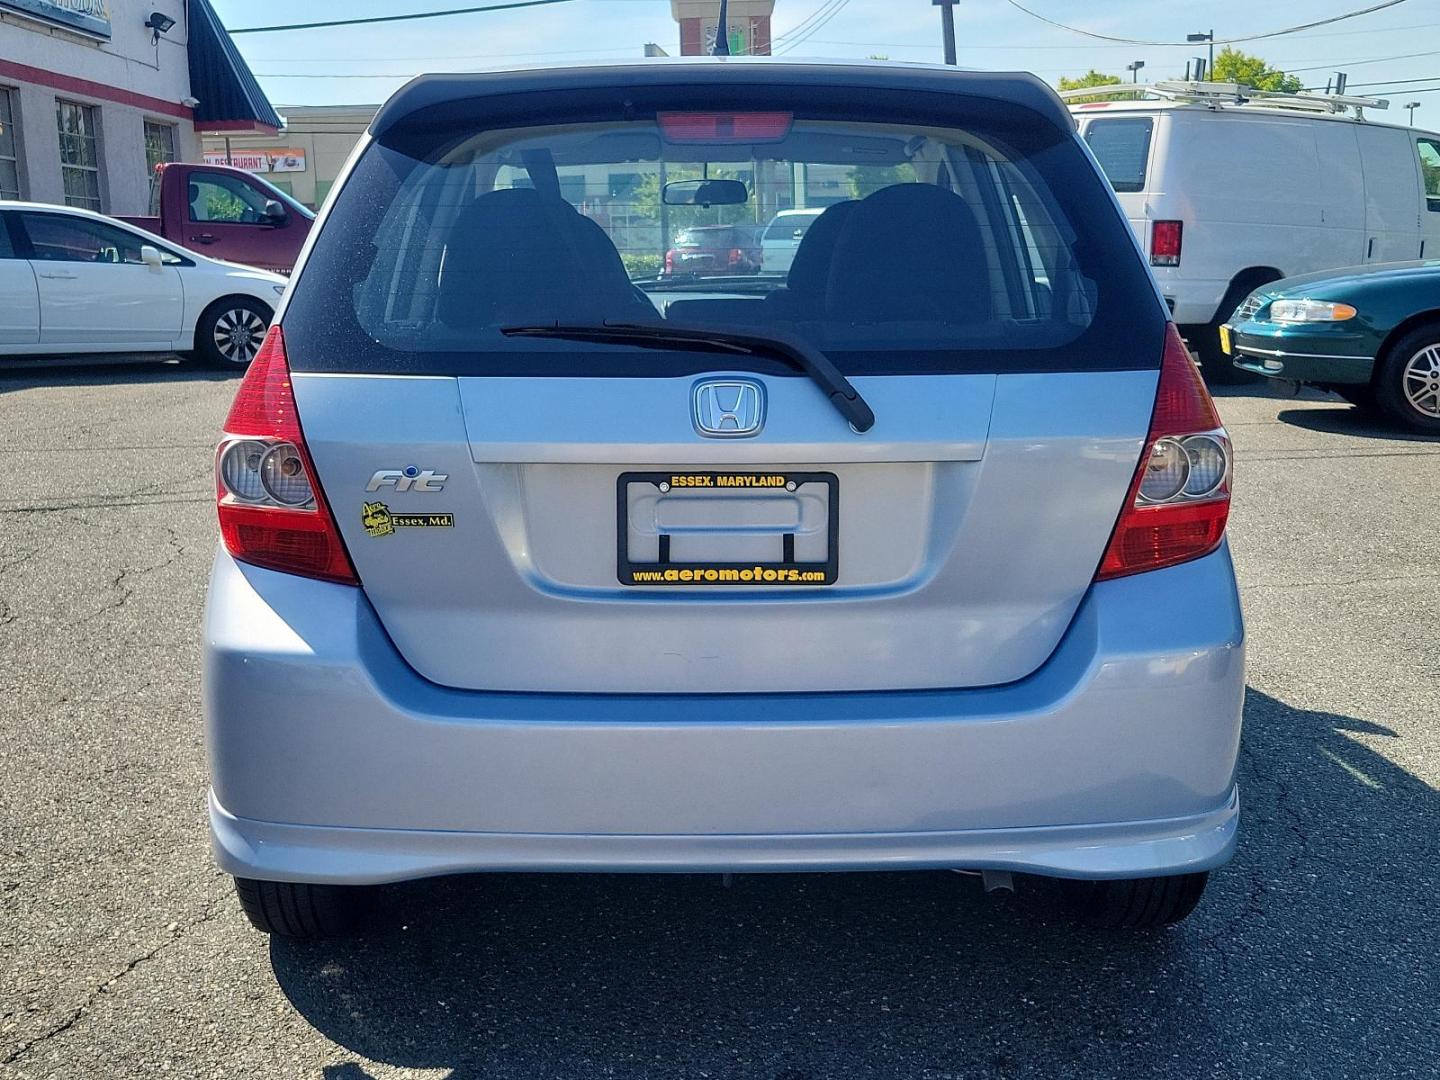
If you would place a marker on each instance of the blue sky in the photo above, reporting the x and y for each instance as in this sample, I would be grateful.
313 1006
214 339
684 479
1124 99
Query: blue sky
364 64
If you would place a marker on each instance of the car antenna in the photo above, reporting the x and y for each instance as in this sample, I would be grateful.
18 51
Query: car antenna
722 31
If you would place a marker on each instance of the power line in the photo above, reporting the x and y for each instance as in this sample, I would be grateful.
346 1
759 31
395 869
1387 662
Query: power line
1372 60
795 42
396 18
811 22
1218 41
1072 48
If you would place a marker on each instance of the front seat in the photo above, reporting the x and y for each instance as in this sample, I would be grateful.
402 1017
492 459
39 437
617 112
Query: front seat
909 253
519 257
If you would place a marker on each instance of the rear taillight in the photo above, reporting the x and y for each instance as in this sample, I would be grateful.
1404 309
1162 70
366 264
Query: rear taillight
1179 501
272 511
670 261
1165 241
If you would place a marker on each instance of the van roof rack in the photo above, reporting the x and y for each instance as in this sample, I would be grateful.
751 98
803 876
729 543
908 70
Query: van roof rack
1219 94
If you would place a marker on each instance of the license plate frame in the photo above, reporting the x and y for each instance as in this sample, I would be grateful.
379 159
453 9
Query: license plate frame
785 573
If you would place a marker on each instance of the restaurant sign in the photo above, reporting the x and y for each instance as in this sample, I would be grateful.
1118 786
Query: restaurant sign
90 16
286 159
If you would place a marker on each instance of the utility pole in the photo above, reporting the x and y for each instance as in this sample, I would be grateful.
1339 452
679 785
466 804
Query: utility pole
1134 69
947 25
1210 37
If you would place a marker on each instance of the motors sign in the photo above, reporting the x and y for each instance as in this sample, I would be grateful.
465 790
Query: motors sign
90 16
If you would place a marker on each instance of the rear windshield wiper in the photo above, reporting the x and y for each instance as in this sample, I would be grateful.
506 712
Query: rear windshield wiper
745 341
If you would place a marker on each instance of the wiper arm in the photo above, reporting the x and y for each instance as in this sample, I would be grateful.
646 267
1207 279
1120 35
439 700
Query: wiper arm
745 341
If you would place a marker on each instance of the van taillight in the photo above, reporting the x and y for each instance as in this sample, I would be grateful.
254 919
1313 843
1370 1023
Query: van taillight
1165 238
1179 501
272 511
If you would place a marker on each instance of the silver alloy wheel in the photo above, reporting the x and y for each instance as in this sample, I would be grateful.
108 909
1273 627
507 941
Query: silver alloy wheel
1421 381
238 334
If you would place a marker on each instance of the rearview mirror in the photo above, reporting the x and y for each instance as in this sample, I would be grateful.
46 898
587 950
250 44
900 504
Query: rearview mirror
706 193
275 212
150 256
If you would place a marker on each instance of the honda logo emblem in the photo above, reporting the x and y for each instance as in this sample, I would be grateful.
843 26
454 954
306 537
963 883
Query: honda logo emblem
729 408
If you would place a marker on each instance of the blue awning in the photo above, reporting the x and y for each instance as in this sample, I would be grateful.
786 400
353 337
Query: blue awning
230 97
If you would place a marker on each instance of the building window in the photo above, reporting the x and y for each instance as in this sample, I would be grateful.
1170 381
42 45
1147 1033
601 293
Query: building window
9 148
159 148
79 153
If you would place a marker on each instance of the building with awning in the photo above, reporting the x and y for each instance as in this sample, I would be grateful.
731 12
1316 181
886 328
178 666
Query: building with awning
95 93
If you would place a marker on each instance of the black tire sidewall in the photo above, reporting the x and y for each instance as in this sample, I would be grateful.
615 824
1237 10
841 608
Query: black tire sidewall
1389 380
205 348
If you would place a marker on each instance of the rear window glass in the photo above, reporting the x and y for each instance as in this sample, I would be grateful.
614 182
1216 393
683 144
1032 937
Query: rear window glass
1122 146
951 246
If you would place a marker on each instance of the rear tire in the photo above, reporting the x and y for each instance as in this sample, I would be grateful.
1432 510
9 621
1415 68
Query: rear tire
298 910
1136 903
229 332
1407 386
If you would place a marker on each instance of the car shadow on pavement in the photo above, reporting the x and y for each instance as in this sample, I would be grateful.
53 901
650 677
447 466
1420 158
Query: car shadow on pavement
18 376
1312 954
1348 420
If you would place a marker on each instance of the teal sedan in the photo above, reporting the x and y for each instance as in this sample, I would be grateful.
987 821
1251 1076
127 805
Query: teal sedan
1369 333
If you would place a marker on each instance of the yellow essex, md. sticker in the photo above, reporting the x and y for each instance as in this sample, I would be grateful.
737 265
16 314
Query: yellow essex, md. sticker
380 520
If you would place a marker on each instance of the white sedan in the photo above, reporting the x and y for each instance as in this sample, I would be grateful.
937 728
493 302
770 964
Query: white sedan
73 282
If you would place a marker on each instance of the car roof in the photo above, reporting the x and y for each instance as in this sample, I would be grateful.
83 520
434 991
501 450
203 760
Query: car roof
1256 108
845 77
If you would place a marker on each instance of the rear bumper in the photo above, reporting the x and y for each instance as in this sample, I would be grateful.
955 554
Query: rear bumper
312 853
1192 301
331 760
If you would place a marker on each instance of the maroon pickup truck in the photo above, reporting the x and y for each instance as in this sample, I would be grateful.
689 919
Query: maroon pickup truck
226 213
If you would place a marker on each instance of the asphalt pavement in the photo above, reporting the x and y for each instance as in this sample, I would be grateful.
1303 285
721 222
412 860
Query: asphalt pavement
124 954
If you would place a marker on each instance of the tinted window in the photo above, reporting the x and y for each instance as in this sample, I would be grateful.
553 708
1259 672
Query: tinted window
61 238
1122 146
7 249
990 244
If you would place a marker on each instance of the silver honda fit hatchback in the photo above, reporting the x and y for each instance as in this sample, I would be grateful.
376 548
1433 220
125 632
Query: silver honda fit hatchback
537 557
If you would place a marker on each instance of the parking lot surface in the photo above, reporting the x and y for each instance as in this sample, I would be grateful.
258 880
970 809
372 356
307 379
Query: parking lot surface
124 954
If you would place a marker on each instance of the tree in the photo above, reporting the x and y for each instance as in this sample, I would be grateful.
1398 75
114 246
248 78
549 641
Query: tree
1232 65
1090 78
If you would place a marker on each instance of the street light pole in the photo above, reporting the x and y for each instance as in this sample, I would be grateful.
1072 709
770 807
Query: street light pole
947 26
1134 69
1412 106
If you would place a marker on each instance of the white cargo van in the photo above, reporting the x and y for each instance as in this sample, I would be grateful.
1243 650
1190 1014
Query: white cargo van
1229 189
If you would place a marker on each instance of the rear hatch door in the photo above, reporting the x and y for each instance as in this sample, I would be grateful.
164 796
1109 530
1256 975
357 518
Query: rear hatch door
533 514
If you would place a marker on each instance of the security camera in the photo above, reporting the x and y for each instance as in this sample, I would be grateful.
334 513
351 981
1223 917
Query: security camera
189 102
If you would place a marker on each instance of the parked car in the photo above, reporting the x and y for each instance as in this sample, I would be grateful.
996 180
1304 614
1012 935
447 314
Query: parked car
783 237
74 283
226 213
1228 197
1369 333
914 559
715 249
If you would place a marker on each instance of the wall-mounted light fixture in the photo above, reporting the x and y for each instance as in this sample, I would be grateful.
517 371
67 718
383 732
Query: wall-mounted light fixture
159 23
